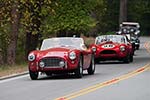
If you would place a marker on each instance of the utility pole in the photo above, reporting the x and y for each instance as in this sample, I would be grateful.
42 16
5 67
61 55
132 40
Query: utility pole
123 11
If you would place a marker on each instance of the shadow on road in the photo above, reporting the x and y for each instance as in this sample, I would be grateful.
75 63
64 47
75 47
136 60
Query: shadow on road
110 62
65 76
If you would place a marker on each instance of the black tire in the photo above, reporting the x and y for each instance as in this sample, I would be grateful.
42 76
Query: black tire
131 58
79 70
126 59
137 47
33 75
133 46
91 69
96 61
133 53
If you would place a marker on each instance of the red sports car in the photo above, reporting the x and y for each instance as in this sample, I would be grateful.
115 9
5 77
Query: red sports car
113 47
61 55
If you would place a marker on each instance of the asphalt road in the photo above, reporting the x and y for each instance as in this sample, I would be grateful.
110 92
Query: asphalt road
112 81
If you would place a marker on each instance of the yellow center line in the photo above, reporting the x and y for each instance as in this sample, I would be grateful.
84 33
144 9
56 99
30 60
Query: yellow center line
104 84
113 81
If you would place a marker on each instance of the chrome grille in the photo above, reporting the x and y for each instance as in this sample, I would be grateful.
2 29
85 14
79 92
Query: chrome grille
52 62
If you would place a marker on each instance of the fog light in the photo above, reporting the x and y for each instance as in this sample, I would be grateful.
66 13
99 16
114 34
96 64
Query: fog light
41 64
61 63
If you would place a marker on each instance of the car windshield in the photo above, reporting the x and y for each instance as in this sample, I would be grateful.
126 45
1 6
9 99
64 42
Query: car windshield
113 38
62 42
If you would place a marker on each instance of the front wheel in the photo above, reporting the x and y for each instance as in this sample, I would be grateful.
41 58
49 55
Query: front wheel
79 70
97 61
91 69
127 59
137 47
131 58
33 75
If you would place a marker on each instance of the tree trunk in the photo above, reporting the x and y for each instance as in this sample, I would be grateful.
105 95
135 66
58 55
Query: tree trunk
123 11
32 40
11 51
1 58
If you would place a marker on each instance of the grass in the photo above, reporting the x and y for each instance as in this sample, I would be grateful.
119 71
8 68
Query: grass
12 69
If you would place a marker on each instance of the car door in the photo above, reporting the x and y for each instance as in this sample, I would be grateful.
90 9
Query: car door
87 54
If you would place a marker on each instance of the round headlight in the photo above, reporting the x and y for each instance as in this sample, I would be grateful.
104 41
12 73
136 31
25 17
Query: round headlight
31 57
61 63
137 32
119 32
132 30
72 55
94 49
122 48
41 64
124 30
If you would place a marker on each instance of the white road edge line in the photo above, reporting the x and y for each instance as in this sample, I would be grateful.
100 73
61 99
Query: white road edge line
14 78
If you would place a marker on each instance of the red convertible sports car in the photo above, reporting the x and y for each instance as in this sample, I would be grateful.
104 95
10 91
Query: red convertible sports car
61 55
113 47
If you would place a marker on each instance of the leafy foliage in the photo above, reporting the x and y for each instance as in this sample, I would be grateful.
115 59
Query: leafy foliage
5 20
48 17
110 19
140 12
70 15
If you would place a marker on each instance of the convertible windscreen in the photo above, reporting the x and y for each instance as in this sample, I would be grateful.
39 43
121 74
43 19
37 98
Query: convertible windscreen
107 38
62 42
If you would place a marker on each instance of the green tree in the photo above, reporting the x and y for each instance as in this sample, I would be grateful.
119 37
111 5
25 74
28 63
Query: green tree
98 13
140 12
69 17
31 21
15 17
110 19
9 23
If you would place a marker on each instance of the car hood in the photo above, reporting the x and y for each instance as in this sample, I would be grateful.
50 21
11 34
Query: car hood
53 52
